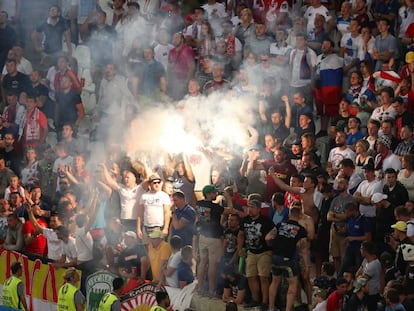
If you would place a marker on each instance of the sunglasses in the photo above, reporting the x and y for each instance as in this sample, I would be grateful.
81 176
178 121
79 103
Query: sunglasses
156 182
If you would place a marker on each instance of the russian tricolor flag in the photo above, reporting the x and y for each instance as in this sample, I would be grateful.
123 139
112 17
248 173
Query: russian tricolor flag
331 74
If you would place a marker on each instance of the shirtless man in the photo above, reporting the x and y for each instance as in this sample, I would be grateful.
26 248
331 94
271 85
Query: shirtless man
311 199
306 222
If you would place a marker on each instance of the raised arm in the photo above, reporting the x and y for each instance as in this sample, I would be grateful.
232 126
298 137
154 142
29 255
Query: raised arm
108 178
188 169
280 183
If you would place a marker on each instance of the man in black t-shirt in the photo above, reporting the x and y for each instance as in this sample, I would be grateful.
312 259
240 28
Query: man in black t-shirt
208 223
287 238
236 288
133 260
255 227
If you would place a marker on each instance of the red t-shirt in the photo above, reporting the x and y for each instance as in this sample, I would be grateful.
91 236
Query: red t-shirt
283 170
39 244
334 301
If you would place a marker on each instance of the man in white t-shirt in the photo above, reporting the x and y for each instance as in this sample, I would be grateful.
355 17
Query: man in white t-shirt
365 191
154 209
69 250
170 271
336 155
314 9
54 245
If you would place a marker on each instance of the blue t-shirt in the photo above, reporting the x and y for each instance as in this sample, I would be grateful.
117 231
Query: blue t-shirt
353 138
184 273
186 233
357 227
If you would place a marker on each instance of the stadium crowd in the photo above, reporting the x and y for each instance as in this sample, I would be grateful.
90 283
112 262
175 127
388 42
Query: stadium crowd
303 114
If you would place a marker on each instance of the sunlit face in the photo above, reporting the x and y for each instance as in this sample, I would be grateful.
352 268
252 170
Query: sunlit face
31 154
406 133
129 179
269 142
168 188
279 156
193 87
386 128
155 185
345 9
245 16
354 80
372 129
36 193
215 177
304 121
340 139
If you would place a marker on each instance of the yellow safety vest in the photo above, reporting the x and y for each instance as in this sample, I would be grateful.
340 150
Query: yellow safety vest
10 295
66 298
157 308
106 302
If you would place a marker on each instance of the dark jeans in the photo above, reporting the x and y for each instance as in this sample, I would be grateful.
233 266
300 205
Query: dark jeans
352 259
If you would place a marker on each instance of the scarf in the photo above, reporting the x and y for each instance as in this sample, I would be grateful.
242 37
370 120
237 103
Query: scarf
231 45
31 126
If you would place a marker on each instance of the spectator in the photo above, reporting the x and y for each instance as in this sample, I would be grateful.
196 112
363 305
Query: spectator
159 252
184 272
133 262
182 219
208 224
406 176
54 30
371 270
334 301
235 286
169 273
14 237
254 230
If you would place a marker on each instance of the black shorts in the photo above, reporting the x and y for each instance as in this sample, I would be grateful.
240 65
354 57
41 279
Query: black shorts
284 266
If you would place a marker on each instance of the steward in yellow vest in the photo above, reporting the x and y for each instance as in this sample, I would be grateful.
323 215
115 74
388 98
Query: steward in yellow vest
70 297
111 301
163 301
13 289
